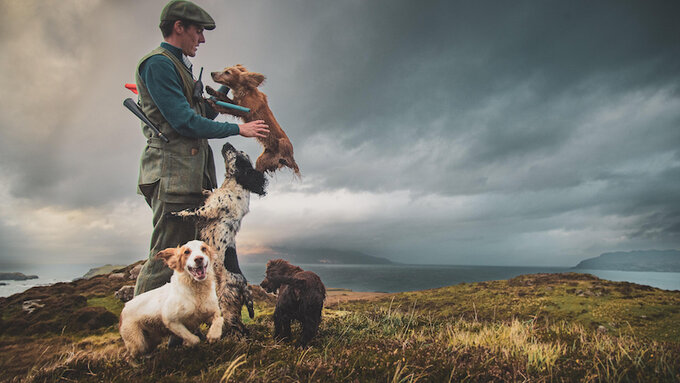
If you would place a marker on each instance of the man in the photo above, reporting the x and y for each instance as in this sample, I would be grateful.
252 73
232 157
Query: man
173 175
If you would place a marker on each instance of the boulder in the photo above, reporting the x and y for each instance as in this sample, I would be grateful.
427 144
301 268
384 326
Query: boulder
30 305
134 272
125 293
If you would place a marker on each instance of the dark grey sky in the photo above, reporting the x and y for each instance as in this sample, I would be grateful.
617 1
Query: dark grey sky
485 132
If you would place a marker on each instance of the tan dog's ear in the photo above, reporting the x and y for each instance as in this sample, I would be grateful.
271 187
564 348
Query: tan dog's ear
254 79
171 257
241 68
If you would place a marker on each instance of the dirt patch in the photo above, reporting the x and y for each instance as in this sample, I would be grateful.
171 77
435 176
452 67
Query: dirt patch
335 296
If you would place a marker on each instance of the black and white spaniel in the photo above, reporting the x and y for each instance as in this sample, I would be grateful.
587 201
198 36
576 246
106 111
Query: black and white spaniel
219 219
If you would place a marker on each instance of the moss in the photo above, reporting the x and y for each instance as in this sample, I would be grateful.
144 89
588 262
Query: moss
110 303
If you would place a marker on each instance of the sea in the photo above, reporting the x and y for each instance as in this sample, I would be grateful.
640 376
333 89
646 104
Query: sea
373 278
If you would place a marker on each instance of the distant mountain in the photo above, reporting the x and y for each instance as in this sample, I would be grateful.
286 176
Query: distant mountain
16 277
323 256
639 260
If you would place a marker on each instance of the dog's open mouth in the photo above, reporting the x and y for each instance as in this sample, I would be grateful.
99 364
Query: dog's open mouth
198 272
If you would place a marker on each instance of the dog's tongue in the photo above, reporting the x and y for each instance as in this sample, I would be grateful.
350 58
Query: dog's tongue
199 272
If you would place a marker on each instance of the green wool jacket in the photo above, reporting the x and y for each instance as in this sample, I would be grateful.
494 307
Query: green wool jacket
177 171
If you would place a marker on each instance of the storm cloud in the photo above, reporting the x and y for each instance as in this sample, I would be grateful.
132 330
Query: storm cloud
531 133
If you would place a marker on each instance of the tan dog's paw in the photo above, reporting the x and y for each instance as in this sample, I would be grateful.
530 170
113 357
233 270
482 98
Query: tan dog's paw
215 331
213 339
191 341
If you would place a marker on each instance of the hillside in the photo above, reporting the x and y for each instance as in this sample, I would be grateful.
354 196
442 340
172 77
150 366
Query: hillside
541 327
320 255
641 260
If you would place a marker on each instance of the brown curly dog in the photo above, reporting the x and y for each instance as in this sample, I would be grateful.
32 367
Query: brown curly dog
301 296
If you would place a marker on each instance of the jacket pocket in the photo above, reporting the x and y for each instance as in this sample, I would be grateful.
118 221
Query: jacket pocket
150 168
183 177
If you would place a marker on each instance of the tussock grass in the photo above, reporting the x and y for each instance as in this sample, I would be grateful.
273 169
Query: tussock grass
412 337
383 344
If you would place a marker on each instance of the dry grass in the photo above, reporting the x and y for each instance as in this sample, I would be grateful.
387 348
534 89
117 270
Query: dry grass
412 337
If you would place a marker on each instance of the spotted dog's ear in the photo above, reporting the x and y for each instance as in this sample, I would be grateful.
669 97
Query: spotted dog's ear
251 179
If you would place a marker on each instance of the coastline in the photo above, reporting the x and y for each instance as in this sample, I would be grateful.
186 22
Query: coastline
374 278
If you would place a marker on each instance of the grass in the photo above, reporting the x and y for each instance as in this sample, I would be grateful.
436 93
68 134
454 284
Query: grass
518 330
109 302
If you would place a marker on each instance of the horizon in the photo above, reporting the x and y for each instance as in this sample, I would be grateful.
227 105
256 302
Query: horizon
500 134
244 259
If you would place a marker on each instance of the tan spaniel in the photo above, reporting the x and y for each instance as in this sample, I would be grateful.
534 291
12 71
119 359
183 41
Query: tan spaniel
178 307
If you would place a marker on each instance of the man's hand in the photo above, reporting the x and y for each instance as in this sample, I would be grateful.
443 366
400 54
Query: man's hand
255 128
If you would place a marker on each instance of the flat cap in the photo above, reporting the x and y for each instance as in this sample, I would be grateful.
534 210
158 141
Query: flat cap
186 10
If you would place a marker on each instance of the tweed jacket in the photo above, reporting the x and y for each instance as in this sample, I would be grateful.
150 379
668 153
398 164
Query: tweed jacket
179 170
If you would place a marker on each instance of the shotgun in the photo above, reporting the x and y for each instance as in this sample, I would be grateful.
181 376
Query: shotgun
137 111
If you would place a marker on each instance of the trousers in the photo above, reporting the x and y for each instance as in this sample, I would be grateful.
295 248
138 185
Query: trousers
167 232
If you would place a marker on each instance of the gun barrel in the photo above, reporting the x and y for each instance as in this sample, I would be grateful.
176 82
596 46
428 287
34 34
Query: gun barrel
137 111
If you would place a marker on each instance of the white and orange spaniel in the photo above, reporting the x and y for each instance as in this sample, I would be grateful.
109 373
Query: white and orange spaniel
178 307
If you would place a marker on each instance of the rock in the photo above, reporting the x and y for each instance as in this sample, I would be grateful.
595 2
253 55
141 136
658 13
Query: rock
125 293
134 272
30 305
3 284
117 276
601 329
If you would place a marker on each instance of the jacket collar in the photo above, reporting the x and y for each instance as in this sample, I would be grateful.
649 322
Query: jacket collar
173 49
178 53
